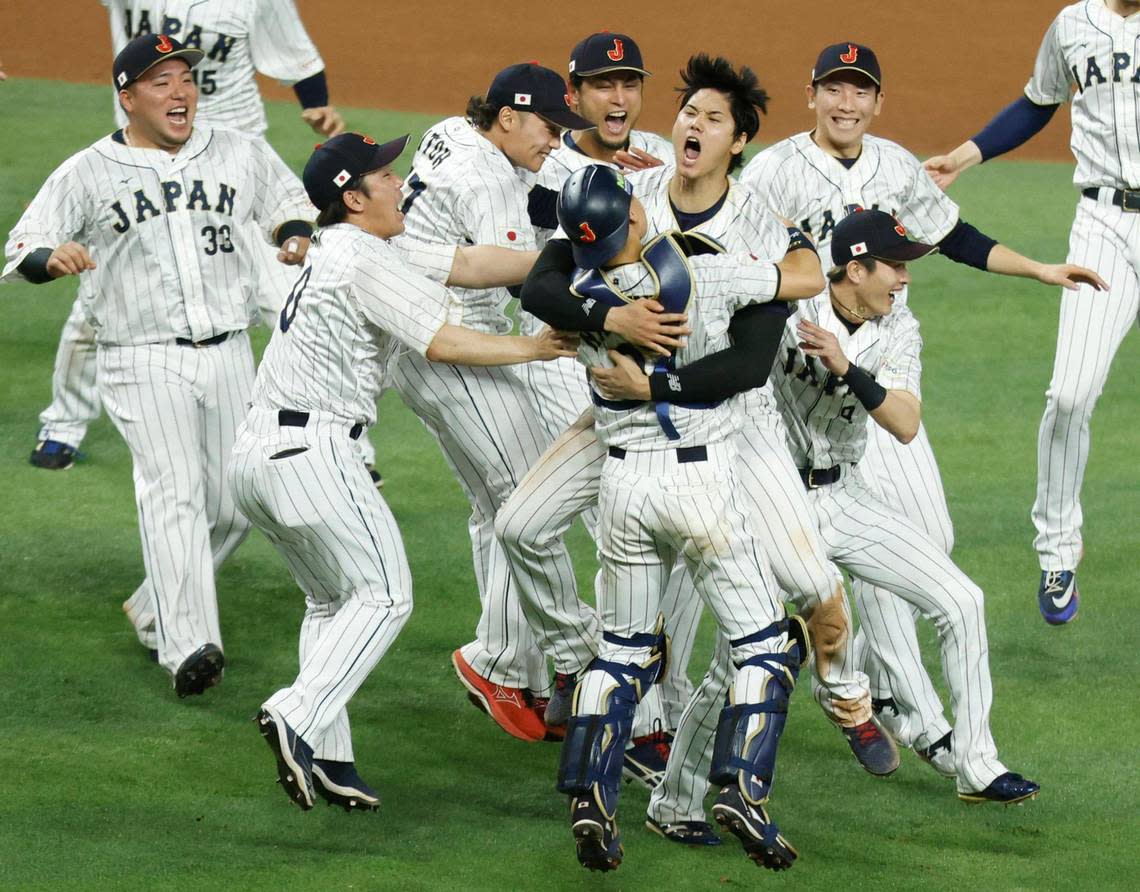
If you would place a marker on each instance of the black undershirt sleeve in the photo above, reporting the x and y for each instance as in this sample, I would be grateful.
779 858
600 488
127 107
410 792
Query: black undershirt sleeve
313 91
756 334
34 266
292 228
542 207
546 292
965 244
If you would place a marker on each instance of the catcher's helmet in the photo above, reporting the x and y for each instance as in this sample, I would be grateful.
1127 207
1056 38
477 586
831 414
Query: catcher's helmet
593 210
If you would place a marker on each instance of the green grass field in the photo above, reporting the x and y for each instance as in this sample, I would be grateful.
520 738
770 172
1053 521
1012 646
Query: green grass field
110 782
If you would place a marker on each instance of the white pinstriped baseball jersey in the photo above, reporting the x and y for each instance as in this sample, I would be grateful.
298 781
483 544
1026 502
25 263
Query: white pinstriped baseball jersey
567 158
168 233
799 180
722 284
239 38
463 190
357 300
826 424
1093 50
743 224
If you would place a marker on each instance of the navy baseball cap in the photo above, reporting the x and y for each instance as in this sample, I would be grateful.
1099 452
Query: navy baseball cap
336 162
143 53
604 52
874 234
593 211
847 57
530 87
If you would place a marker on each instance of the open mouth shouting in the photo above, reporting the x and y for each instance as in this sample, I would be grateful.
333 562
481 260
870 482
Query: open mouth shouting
614 123
179 115
692 149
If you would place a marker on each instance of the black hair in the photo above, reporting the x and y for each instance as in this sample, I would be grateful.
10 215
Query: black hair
481 113
337 212
839 273
870 81
747 99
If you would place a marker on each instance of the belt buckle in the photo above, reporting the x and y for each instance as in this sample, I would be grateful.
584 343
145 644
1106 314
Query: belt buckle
811 479
1130 200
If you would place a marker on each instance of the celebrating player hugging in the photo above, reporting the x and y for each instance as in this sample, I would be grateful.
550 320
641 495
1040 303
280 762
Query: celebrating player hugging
717 368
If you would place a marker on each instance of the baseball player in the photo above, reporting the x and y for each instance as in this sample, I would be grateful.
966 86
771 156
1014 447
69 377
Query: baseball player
1090 48
158 216
294 472
816 178
668 490
467 185
607 82
237 38
718 116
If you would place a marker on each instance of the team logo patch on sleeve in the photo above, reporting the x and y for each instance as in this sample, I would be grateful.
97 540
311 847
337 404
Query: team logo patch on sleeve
522 98
511 235
341 178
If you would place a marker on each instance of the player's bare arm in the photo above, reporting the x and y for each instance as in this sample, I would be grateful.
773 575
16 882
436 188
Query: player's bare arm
801 276
456 345
899 413
489 266
1007 262
634 158
944 169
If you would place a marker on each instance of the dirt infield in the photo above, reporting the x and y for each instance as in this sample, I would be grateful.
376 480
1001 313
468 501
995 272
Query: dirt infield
947 66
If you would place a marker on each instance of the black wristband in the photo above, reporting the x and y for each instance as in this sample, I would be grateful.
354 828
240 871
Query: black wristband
313 92
798 241
34 266
291 229
865 388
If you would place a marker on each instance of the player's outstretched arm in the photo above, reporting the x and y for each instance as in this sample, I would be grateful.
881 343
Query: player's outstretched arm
489 266
456 345
1007 262
898 412
801 276
324 119
1014 125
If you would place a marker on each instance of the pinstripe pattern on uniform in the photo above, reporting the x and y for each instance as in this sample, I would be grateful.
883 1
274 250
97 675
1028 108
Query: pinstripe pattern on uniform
1079 52
240 38
470 194
162 272
178 410
358 301
1091 327
342 545
75 398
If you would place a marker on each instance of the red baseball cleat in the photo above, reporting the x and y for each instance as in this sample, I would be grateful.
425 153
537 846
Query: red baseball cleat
511 708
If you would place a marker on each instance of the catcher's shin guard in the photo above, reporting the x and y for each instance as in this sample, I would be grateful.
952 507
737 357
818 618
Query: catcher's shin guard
595 743
750 759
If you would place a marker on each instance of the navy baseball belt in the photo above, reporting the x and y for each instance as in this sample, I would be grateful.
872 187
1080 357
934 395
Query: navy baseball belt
293 418
208 342
1125 199
685 454
814 478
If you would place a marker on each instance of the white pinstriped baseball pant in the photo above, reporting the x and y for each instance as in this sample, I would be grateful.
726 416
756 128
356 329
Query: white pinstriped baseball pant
178 408
1090 329
341 543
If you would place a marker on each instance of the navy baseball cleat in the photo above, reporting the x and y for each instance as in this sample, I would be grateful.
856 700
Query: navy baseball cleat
1006 788
202 669
939 756
644 760
1057 596
687 833
873 749
595 834
294 756
338 783
52 455
756 831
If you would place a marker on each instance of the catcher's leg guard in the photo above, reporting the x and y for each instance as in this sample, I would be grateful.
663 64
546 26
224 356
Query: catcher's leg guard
750 759
595 743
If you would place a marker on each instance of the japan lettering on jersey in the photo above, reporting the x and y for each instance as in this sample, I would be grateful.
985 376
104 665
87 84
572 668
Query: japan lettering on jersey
239 38
1093 51
721 284
357 302
826 424
464 190
798 180
169 233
